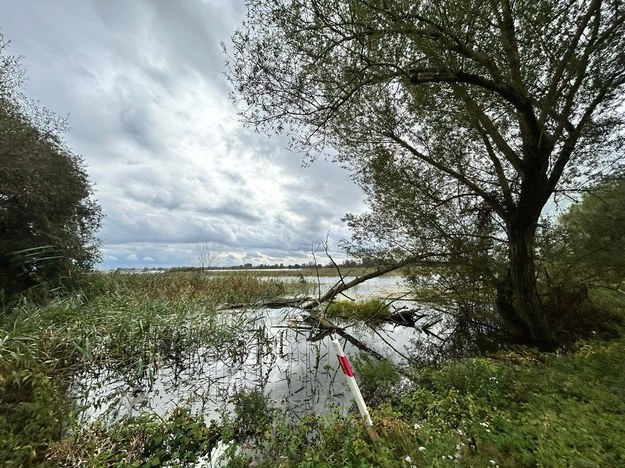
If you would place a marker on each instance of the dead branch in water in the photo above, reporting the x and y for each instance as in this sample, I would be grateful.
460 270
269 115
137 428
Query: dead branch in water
308 303
342 286
293 302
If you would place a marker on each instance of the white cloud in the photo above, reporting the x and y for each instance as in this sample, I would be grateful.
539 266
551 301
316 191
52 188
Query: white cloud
144 85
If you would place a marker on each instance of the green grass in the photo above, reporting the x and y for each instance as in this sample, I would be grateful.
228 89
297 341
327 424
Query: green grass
370 310
519 407
139 441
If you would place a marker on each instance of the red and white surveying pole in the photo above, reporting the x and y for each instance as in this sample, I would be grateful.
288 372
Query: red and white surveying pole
353 385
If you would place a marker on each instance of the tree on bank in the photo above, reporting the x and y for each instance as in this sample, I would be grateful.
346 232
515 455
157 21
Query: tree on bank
48 216
459 119
593 234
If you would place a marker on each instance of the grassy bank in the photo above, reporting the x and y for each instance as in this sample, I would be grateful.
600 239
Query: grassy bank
133 324
518 407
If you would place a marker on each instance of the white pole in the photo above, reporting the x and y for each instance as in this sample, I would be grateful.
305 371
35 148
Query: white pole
351 381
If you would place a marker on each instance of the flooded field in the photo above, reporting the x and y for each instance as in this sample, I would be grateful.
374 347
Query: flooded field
272 351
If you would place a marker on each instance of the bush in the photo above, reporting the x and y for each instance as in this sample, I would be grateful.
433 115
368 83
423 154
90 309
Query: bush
378 380
579 311
370 310
48 217
148 440
33 408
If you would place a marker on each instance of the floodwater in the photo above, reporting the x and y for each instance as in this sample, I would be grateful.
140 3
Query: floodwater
274 352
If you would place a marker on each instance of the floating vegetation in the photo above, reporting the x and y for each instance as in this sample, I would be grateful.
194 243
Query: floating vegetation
371 310
135 345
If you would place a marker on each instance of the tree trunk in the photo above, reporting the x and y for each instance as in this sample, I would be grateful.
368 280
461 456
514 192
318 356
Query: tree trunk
505 308
523 290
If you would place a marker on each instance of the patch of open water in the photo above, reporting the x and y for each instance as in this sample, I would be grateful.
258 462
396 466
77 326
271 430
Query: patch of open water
273 352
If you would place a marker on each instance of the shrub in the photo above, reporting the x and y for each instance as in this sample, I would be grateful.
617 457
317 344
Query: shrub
370 310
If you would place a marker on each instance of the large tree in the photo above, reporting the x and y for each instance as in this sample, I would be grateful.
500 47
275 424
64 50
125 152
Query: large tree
460 119
48 216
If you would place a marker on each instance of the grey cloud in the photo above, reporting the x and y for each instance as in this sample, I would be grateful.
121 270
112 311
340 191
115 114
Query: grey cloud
138 124
122 228
144 86
234 210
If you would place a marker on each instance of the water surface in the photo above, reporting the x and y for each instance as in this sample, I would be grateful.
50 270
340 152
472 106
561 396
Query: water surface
272 351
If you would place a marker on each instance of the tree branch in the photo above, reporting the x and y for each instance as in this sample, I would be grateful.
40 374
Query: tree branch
488 198
489 127
441 75
552 92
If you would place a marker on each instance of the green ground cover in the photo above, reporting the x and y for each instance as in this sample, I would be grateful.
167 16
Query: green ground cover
517 407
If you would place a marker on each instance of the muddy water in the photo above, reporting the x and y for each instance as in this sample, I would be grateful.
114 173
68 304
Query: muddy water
273 352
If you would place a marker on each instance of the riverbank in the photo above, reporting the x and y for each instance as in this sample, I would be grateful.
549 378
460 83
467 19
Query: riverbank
517 407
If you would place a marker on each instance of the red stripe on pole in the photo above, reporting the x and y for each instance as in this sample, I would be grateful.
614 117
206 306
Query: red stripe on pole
344 363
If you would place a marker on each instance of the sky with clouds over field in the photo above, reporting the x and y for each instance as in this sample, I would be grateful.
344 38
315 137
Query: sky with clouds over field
144 85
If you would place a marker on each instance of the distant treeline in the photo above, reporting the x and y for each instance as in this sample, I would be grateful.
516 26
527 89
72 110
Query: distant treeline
248 266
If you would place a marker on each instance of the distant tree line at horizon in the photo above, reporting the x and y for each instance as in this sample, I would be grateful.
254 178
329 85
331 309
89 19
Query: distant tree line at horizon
348 263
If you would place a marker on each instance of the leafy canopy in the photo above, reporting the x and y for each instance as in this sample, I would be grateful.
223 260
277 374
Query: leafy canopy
459 119
48 216
594 233
446 111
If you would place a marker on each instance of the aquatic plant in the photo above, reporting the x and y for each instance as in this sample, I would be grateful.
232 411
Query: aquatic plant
371 310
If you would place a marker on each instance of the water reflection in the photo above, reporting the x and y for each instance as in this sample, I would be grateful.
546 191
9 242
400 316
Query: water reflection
269 350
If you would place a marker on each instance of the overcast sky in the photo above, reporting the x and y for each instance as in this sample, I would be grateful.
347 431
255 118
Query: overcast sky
143 83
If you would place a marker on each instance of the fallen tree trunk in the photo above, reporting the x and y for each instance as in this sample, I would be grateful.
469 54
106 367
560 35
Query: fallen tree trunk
295 302
342 286
309 303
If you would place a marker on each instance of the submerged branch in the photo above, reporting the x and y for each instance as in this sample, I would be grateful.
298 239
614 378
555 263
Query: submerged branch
309 303
281 303
341 286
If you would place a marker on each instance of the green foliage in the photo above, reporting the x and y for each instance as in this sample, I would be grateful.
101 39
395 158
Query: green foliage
314 441
525 408
368 310
580 310
47 214
33 408
141 441
583 264
593 232
378 380
253 413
